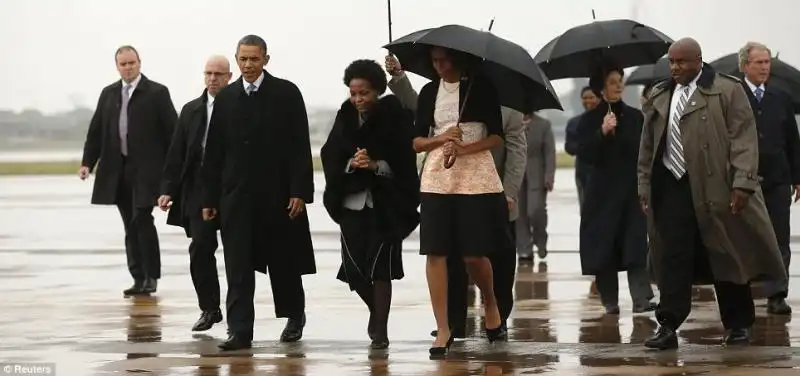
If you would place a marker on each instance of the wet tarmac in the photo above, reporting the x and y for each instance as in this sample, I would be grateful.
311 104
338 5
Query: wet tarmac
62 272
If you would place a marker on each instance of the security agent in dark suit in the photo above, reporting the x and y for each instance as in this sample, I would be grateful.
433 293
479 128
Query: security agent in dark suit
128 138
778 159
181 190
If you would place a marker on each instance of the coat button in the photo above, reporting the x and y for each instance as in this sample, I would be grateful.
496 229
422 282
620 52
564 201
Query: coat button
709 173
705 145
703 117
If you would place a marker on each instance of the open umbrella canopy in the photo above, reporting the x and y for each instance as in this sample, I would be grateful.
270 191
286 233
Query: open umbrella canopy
782 75
648 74
520 83
579 51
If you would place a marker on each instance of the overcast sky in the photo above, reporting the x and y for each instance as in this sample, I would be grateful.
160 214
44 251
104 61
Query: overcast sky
56 54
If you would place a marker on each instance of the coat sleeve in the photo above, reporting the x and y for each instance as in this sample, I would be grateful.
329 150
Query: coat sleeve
301 163
334 162
743 137
549 151
94 136
215 153
166 115
591 141
173 165
401 87
516 149
646 151
792 141
571 142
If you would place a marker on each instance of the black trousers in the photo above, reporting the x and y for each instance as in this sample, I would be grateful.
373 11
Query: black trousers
778 200
287 285
504 267
141 239
683 255
203 263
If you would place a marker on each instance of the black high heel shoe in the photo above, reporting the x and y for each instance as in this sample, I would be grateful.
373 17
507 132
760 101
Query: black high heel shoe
495 334
442 350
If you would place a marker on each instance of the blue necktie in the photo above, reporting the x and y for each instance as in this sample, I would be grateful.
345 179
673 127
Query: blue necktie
759 94
250 89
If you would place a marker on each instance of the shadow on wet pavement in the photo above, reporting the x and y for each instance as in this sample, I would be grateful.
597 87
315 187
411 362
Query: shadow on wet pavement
64 305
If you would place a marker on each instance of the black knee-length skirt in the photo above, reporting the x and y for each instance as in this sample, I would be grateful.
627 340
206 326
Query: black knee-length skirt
366 257
463 225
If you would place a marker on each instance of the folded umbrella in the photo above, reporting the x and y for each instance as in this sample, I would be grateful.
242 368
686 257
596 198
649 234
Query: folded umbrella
651 73
624 43
782 75
520 83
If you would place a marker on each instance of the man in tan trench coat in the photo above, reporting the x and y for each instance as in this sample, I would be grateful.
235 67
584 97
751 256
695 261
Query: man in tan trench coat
698 182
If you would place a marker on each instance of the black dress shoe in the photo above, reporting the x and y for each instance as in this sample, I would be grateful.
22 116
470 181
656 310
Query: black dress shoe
736 337
439 351
207 320
150 285
645 306
611 309
665 338
293 331
136 289
236 342
778 306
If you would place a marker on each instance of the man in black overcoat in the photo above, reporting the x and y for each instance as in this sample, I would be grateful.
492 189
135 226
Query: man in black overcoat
778 157
128 138
258 175
181 190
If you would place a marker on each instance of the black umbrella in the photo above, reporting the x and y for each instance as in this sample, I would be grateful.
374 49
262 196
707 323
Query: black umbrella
782 75
520 83
649 74
624 43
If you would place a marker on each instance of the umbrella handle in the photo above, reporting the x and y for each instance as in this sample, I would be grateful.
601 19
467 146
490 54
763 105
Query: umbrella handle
449 161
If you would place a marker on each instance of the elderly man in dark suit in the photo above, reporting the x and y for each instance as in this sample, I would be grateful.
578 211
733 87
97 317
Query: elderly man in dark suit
258 176
181 190
778 156
128 138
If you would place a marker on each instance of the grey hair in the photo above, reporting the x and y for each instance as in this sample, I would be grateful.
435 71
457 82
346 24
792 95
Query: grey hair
124 48
252 40
744 52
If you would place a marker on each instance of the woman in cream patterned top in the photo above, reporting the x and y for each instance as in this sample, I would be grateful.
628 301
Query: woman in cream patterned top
463 208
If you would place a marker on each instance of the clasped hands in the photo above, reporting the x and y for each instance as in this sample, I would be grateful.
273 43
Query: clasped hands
452 141
361 159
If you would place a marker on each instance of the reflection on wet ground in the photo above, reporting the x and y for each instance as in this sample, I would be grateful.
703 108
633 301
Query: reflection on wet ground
64 305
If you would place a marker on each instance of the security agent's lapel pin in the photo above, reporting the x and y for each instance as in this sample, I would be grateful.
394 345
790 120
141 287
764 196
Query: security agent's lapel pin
694 103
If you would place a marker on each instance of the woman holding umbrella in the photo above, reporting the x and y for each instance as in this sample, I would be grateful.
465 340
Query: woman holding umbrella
372 189
463 207
613 230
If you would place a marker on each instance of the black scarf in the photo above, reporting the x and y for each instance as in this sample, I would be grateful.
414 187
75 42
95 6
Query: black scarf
387 135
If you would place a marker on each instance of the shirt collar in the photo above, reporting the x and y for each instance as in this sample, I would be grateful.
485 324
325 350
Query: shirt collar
209 99
257 83
753 86
693 83
133 83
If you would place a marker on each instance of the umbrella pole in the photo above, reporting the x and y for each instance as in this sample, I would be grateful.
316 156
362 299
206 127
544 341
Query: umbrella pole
389 9
450 160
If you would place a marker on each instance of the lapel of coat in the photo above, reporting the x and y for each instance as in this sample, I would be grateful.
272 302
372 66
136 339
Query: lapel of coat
197 123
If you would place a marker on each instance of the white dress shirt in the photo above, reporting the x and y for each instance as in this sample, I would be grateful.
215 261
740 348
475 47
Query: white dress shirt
676 96
258 82
133 84
209 111
753 87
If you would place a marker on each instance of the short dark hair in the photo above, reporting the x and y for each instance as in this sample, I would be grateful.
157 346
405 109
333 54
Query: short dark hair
252 40
598 80
585 89
124 48
368 70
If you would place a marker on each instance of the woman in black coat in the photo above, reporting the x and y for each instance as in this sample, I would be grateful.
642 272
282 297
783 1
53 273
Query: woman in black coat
371 189
613 231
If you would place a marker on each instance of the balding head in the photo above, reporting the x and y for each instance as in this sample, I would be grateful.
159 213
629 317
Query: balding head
217 74
685 60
